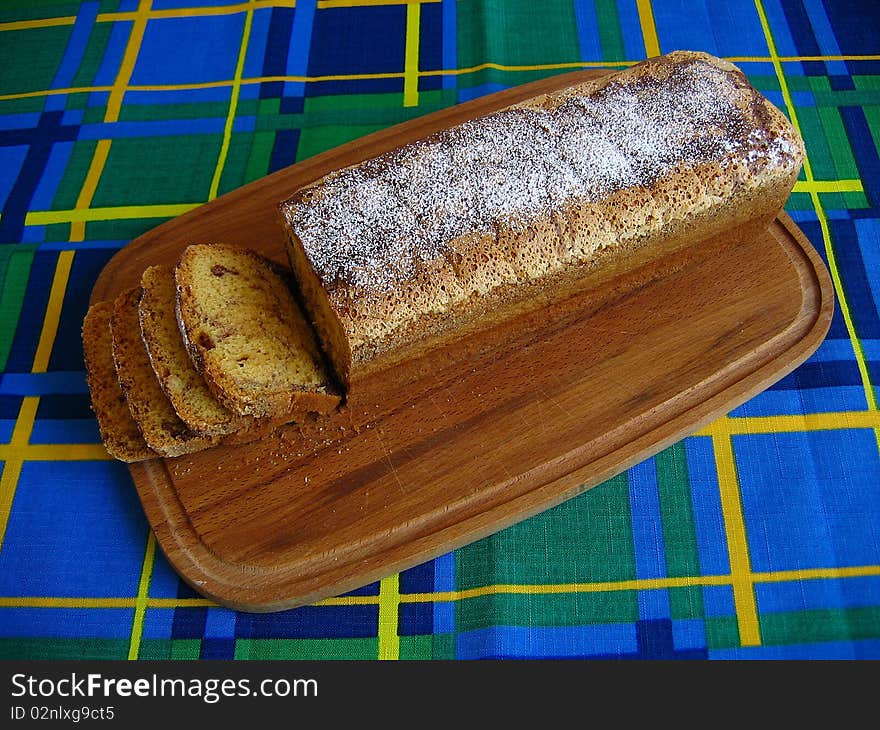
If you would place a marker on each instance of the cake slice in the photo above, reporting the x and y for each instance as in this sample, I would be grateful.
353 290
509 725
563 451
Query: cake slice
182 384
119 432
247 335
161 427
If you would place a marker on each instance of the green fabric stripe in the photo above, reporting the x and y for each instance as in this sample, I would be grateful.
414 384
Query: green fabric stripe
23 69
547 609
306 648
610 33
194 110
319 139
22 106
74 175
438 646
259 156
505 31
170 649
598 522
17 268
872 115
722 632
817 146
11 10
803 627
236 162
94 54
679 538
676 511
21 649
838 144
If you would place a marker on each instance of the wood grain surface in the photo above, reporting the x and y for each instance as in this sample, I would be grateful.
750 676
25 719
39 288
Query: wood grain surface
506 422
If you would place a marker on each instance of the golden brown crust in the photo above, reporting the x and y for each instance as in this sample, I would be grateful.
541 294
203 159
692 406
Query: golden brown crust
151 410
737 168
247 336
119 432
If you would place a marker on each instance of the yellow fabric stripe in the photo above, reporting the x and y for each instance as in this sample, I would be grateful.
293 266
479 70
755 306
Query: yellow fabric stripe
8 485
823 221
38 23
116 17
368 3
828 186
389 603
122 212
114 105
21 434
140 608
54 452
91 602
233 103
411 56
810 422
649 29
27 414
53 92
782 576
737 543
399 74
89 186
53 312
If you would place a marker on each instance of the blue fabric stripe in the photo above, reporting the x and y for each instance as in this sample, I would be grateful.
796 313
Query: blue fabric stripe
23 122
864 149
72 623
66 431
177 96
113 54
52 174
825 37
85 245
450 43
43 383
631 28
647 527
444 581
547 641
76 47
689 633
277 48
801 29
855 649
706 505
647 532
300 43
823 593
257 41
40 140
796 402
785 45
588 29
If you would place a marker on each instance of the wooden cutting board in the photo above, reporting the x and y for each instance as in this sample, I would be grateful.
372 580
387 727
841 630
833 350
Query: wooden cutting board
493 429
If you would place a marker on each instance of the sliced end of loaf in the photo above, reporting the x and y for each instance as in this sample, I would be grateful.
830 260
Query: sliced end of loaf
160 426
119 432
182 384
320 310
247 335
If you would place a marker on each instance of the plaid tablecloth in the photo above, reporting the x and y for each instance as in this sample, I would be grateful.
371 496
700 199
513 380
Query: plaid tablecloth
758 537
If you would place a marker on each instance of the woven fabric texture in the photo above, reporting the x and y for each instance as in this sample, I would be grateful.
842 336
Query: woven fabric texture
758 537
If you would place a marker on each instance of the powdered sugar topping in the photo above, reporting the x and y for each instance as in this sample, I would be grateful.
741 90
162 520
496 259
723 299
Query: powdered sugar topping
372 225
